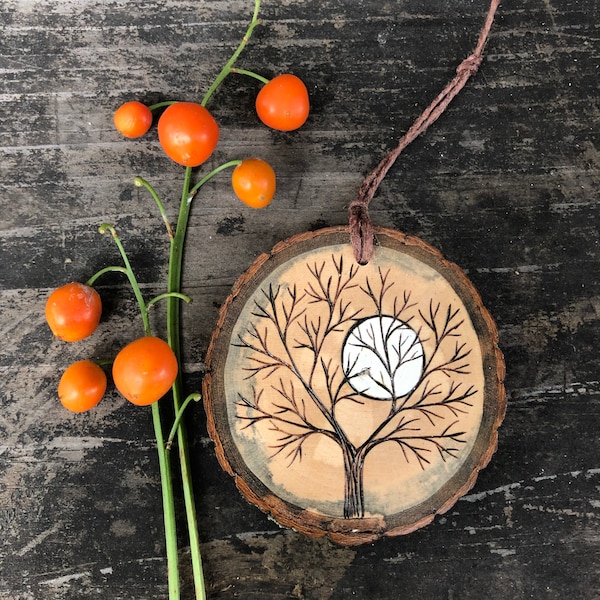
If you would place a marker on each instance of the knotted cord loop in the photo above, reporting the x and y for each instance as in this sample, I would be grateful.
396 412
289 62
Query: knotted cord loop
360 225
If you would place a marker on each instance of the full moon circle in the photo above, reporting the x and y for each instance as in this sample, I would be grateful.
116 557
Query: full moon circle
382 358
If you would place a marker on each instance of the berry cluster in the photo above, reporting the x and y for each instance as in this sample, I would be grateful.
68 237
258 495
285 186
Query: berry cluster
146 369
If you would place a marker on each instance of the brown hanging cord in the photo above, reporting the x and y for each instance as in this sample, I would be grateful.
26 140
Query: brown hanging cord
361 228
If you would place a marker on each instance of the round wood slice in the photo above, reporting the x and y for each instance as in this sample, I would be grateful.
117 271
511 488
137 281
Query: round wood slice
354 401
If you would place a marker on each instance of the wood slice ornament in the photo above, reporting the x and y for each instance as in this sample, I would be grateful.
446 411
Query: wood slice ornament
354 401
355 390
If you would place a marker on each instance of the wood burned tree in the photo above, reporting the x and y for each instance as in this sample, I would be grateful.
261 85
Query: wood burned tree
339 338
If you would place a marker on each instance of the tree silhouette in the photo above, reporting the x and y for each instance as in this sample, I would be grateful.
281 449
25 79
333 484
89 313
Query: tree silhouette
396 352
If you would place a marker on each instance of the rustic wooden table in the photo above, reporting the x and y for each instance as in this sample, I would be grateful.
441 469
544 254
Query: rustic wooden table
505 184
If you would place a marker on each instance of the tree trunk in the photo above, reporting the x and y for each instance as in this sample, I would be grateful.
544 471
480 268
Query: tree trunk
354 491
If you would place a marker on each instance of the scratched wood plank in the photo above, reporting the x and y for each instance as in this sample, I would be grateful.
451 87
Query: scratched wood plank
505 184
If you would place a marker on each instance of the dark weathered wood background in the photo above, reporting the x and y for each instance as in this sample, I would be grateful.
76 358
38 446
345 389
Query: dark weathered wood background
505 184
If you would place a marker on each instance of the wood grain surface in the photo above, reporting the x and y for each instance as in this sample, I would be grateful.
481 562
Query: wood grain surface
505 184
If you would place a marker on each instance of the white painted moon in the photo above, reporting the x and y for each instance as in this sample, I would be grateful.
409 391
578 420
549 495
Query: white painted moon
382 358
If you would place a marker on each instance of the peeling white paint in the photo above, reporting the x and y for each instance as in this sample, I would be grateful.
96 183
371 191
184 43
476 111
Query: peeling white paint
506 489
499 490
566 512
38 539
503 551
59 581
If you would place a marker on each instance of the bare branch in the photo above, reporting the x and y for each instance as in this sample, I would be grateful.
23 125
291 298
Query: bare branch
289 311
296 407
399 309
384 288
420 446
257 413
453 400
265 360
291 442
335 389
311 332
449 326
418 452
291 414
456 364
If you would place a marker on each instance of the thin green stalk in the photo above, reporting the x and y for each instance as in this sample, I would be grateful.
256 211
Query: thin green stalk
98 274
229 64
196 397
168 506
194 190
161 104
141 182
107 227
163 455
166 295
173 320
250 74
174 339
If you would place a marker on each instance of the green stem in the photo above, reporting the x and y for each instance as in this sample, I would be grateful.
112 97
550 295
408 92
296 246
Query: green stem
193 191
250 74
195 397
163 455
174 327
107 227
174 339
168 506
98 274
104 362
141 182
229 64
161 104
160 297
